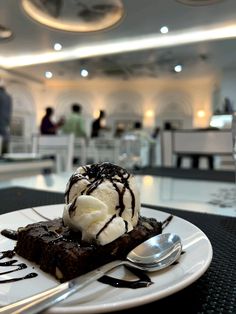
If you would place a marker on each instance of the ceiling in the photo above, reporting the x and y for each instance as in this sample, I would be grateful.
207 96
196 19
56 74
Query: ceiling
146 52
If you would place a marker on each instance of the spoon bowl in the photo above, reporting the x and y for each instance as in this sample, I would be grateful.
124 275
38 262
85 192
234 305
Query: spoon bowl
153 254
156 253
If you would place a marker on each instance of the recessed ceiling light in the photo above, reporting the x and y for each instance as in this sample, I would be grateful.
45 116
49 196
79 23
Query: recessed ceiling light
198 2
84 73
57 46
48 74
178 68
5 32
164 30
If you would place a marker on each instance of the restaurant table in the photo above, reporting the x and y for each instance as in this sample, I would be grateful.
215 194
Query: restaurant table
12 168
214 292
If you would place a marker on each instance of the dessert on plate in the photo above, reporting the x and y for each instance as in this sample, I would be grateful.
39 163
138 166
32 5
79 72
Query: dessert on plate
101 222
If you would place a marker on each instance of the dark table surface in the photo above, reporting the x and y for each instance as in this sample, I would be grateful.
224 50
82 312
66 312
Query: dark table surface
214 292
189 173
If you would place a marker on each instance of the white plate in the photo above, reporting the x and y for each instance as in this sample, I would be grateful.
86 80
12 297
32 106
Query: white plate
22 156
98 297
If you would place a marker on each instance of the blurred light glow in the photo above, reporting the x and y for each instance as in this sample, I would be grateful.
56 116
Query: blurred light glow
57 46
149 113
148 180
96 113
84 73
164 30
178 68
221 121
48 74
5 33
201 113
144 42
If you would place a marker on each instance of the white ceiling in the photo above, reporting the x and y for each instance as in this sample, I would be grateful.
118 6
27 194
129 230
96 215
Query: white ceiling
142 19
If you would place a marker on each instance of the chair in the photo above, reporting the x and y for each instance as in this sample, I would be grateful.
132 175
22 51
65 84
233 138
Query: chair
92 155
107 149
20 144
80 150
61 147
134 152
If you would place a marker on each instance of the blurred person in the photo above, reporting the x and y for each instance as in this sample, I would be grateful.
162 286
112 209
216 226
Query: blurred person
47 126
75 123
98 124
168 126
119 131
228 106
156 132
5 116
155 149
141 133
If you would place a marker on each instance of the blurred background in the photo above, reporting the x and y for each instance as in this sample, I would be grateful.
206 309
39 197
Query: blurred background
167 64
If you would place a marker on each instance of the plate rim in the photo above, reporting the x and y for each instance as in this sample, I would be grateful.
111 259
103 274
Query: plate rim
147 298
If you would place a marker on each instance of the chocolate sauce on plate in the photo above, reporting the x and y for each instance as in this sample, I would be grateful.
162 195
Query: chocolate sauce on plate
31 275
96 174
143 280
10 234
166 222
12 263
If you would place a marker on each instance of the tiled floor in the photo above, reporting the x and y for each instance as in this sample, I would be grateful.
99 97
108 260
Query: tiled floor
194 195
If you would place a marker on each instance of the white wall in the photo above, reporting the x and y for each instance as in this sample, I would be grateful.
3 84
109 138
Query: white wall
26 97
153 100
134 98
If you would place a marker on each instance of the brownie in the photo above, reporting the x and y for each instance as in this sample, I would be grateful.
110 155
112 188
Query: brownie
62 253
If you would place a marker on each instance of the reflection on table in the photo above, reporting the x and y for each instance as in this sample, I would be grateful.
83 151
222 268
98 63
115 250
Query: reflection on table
193 195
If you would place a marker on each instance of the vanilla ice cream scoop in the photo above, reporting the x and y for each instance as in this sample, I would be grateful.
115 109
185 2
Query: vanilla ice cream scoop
102 201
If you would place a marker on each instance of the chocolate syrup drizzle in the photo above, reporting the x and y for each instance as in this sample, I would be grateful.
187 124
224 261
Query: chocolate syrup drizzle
166 222
97 174
12 263
143 279
10 254
10 234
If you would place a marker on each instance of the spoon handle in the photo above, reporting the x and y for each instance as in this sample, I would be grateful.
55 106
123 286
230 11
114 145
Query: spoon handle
48 298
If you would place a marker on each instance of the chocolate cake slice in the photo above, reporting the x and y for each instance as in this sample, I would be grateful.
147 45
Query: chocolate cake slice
61 252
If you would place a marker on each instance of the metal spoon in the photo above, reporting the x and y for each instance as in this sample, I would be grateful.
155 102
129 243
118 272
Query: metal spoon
154 254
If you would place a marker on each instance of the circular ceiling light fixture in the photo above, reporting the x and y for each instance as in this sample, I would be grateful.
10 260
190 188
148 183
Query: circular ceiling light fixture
198 2
48 74
57 46
5 32
178 68
164 30
84 73
75 16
